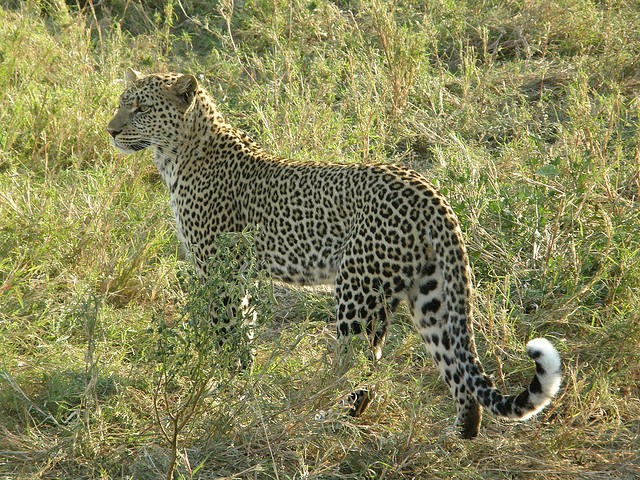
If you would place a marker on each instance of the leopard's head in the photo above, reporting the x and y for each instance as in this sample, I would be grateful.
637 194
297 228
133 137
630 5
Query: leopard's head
152 110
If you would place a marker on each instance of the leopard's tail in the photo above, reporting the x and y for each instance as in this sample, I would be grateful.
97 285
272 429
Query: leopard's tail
441 303
535 397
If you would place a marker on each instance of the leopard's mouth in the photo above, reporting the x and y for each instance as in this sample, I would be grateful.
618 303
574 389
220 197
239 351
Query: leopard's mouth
130 147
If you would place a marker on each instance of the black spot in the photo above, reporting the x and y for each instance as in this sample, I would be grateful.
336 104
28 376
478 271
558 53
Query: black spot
398 281
522 400
407 270
432 306
480 382
393 304
343 328
428 286
535 386
429 269
446 341
372 301
502 409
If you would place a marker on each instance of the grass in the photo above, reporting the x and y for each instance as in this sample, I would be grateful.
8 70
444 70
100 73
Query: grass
525 114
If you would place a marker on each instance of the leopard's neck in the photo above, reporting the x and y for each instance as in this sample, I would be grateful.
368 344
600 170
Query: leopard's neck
166 160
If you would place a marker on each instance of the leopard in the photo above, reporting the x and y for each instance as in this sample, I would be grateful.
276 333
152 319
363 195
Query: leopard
379 233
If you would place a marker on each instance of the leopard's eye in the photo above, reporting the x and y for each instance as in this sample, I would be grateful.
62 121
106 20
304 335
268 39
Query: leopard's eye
142 109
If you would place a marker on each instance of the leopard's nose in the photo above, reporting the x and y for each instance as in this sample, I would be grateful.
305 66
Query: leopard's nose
113 132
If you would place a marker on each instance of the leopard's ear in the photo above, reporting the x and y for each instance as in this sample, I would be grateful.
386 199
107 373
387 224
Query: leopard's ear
185 84
184 89
132 76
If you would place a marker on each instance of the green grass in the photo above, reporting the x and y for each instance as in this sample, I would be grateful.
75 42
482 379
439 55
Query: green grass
525 114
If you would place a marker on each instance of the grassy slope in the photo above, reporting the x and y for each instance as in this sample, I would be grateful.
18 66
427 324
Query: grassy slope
524 113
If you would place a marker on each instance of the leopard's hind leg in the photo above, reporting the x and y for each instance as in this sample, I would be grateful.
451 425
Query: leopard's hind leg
363 309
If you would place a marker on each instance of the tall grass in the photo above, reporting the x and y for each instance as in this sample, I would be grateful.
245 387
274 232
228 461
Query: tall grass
525 114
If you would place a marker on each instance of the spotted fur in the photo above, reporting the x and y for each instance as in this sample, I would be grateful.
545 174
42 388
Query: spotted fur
379 233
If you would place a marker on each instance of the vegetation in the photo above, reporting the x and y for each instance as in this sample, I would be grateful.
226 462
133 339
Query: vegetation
524 113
